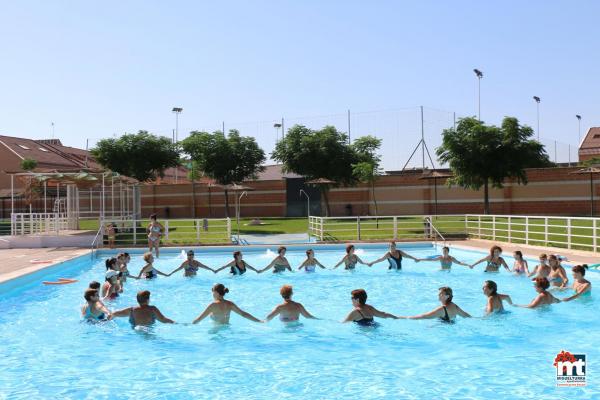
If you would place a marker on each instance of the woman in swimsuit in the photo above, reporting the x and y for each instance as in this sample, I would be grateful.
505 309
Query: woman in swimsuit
111 235
363 313
494 303
447 312
557 276
111 288
494 261
94 310
394 257
154 230
122 260
112 265
446 260
520 266
220 309
148 270
144 314
279 263
544 297
190 266
542 270
581 285
238 266
289 310
311 262
350 259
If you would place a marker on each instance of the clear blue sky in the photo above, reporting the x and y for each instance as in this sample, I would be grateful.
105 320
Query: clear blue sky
102 68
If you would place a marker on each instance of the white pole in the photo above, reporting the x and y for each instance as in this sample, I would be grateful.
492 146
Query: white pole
45 206
12 194
112 196
102 212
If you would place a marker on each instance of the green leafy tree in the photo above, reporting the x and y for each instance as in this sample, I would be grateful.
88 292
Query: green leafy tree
314 154
142 156
368 168
483 155
227 160
28 164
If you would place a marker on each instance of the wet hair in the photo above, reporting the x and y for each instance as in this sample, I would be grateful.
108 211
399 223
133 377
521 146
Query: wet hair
447 291
236 254
153 216
492 286
143 297
125 254
280 249
542 283
348 248
94 285
543 255
220 288
360 295
392 243
580 269
110 262
89 293
147 256
518 252
286 291
308 252
494 248
190 252
552 257
446 248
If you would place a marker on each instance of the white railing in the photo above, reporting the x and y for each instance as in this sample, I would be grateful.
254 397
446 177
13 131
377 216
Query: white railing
563 232
38 223
97 242
398 227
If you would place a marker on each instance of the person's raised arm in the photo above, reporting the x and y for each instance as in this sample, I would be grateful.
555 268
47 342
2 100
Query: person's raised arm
350 317
228 265
204 314
437 312
408 255
271 264
161 317
438 258
243 313
122 313
160 273
251 267
534 303
200 265
340 262
303 264
361 261
462 312
305 313
273 313
480 261
454 260
141 271
182 266
319 264
382 314
380 259
583 290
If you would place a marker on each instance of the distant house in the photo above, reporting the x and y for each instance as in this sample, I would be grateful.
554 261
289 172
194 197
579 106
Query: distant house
590 147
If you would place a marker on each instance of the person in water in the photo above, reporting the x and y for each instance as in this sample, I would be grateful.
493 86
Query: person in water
446 260
191 266
394 257
220 309
289 310
494 260
557 276
363 314
544 297
155 231
144 314
111 287
447 312
148 271
542 270
350 259
494 303
581 286
311 262
520 267
123 259
279 263
238 266
94 310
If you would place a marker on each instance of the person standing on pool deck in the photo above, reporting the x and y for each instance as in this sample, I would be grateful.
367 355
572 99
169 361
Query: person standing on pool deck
494 303
446 260
542 270
94 310
544 297
155 231
494 261
557 276
289 310
520 266
148 270
447 312
190 266
220 309
394 257
144 314
581 285
279 263
238 266
311 262
363 313
350 259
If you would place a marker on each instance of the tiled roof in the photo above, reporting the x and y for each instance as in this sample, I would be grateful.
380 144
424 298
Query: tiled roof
592 139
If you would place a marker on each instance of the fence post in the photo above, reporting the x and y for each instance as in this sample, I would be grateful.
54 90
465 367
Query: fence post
594 234
509 231
479 226
322 229
526 230
134 231
167 229
568 233
197 223
395 228
228 229
545 231
358 228
493 227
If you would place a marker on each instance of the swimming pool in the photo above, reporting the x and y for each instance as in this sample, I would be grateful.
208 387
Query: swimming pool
47 352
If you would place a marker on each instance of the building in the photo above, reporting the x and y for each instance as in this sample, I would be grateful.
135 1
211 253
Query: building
590 147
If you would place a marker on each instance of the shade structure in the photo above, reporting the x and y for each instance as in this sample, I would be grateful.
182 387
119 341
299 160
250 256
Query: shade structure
234 187
434 175
589 171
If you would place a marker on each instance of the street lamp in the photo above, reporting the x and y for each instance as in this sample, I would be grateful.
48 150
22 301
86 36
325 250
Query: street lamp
277 126
479 76
307 199
579 127
537 101
176 111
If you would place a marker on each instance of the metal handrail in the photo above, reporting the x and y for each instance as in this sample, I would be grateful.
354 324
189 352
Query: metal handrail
434 229
99 235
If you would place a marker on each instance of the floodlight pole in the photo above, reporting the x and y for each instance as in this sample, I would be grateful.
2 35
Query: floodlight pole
537 101
579 127
239 199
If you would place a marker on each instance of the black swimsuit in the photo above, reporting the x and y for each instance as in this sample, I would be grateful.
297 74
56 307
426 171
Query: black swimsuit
364 321
446 317
236 270
397 261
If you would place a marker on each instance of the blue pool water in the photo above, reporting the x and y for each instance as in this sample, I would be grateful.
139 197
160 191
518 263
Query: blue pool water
47 352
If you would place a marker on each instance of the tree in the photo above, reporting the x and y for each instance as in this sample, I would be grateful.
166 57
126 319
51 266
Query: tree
31 190
480 155
367 170
142 156
227 160
314 154
28 164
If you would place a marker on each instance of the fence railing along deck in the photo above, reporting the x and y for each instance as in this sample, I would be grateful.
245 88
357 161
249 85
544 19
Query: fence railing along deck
37 223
